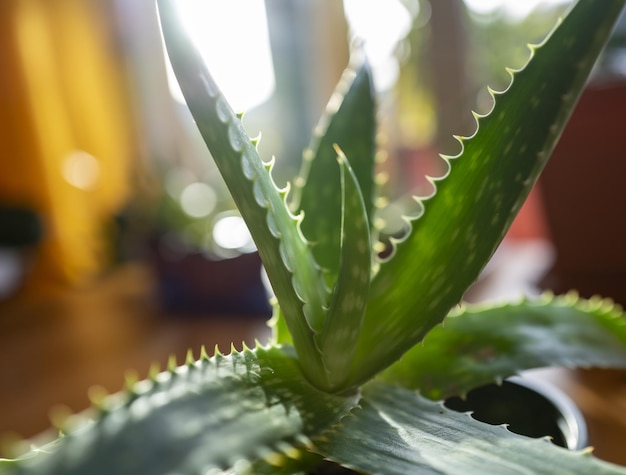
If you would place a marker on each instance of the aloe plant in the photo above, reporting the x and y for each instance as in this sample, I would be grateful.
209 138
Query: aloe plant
359 363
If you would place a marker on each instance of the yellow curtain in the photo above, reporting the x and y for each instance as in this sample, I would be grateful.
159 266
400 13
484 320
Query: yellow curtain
66 129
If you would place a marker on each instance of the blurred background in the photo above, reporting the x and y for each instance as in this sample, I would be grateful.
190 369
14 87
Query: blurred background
119 242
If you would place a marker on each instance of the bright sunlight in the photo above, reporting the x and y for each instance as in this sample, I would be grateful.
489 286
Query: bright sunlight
233 38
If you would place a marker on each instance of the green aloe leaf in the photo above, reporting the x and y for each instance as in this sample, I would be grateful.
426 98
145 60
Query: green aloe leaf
483 344
463 223
396 431
280 331
337 341
292 271
349 123
226 412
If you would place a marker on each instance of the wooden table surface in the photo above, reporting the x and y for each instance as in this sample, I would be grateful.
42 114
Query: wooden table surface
53 349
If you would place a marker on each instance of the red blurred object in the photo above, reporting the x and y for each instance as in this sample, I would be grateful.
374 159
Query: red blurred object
584 199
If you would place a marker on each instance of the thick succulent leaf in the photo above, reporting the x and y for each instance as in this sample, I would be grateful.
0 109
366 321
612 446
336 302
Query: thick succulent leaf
337 341
487 183
280 332
227 412
292 271
338 338
477 345
350 123
396 431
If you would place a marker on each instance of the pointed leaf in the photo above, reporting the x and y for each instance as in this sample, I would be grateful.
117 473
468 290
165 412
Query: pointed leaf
226 412
349 123
290 266
337 341
466 219
478 345
398 432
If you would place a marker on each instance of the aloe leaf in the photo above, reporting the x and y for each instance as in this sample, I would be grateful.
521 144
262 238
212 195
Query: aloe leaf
483 344
463 223
292 271
350 123
227 412
396 431
280 332
337 341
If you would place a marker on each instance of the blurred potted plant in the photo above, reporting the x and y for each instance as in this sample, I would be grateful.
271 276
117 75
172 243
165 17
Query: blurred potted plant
204 259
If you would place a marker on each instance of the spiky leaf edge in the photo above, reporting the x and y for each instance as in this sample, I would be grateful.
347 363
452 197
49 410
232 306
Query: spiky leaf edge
294 275
349 122
396 431
486 343
252 409
449 244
